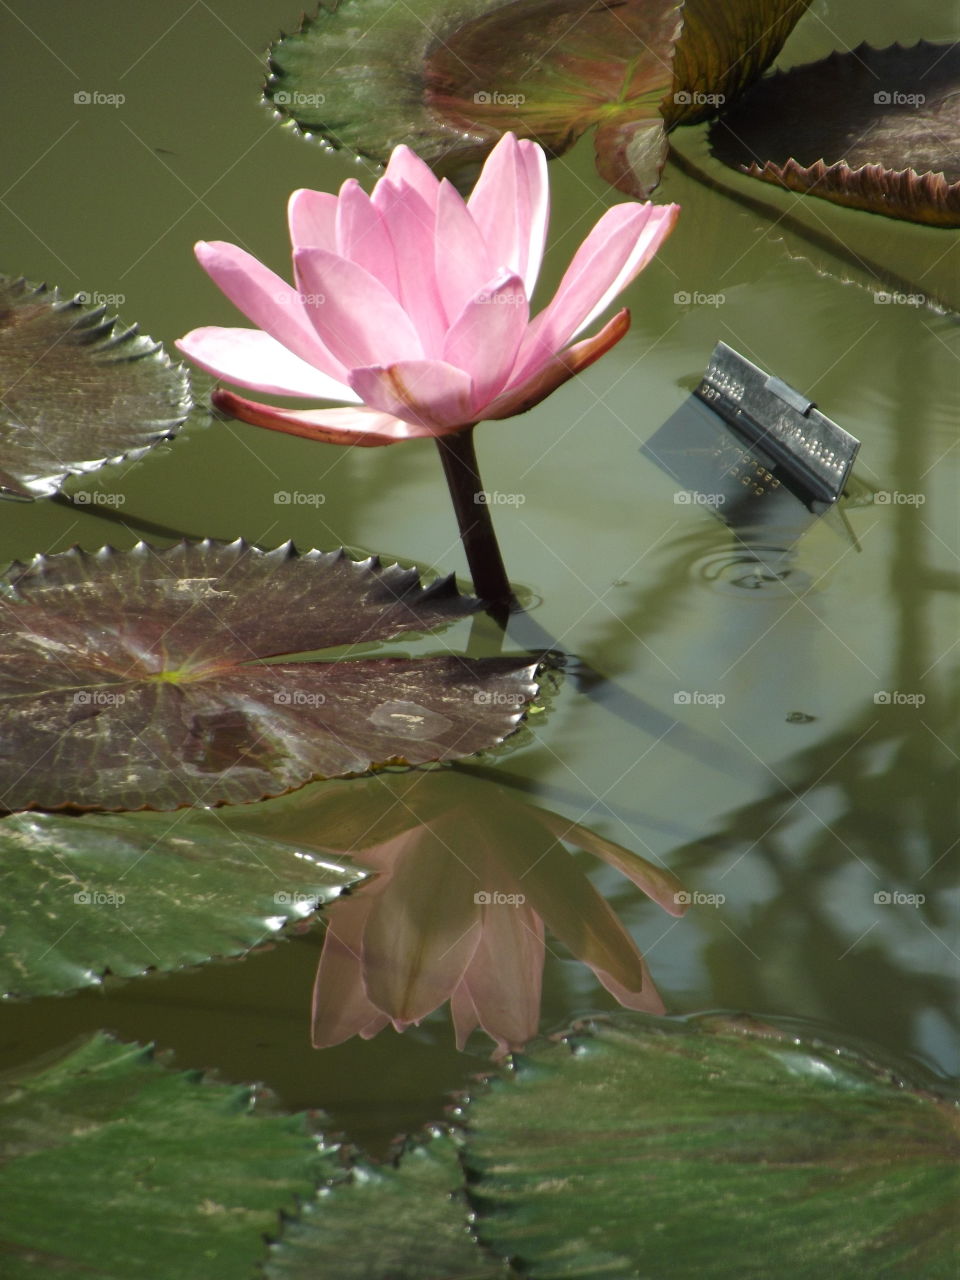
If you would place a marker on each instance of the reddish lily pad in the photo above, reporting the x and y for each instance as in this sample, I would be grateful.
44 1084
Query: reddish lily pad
875 129
159 678
449 80
77 389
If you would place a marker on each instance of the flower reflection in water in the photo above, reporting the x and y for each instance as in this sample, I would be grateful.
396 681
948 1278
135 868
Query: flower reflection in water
469 876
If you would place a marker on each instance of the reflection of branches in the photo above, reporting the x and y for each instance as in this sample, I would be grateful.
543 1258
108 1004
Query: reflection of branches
875 800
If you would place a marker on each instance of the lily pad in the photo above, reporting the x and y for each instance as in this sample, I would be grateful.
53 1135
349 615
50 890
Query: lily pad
403 1206
77 389
113 1165
724 46
875 129
121 894
712 1147
449 80
159 678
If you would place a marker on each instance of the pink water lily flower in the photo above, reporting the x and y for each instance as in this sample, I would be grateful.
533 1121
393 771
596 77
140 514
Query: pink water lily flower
413 305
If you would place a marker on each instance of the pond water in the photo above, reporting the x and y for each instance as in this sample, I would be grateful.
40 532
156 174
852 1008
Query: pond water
772 720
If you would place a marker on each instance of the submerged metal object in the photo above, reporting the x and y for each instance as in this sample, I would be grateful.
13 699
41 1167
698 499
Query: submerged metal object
814 451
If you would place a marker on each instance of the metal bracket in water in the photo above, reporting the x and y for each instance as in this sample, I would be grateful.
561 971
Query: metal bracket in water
785 424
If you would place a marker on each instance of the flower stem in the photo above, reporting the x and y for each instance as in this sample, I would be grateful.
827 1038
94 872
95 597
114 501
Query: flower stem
459 457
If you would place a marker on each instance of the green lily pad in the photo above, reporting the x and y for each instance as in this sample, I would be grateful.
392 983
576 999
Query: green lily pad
416 1224
712 1147
159 678
121 894
77 389
725 45
115 1166
449 80
875 129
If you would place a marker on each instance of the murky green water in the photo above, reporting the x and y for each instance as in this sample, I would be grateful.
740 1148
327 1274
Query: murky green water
798 820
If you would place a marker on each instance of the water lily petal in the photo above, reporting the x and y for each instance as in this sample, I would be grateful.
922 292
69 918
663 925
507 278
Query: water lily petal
341 1008
518 398
427 393
538 218
271 303
509 205
463 1013
363 427
406 169
659 884
574 912
355 315
505 976
461 261
362 236
312 218
251 358
412 222
485 337
617 249
645 1000
418 942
